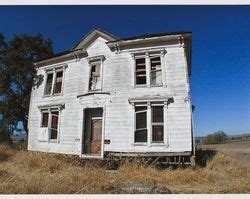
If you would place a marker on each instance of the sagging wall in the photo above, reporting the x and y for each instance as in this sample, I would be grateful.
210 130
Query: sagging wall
117 74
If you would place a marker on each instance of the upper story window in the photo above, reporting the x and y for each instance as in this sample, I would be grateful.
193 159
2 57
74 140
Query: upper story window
54 82
48 87
58 82
155 71
148 69
141 78
95 77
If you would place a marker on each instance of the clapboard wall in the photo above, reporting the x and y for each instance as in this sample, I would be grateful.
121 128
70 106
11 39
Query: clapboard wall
118 71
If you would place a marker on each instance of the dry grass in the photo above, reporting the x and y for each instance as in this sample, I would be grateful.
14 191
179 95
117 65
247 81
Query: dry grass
28 172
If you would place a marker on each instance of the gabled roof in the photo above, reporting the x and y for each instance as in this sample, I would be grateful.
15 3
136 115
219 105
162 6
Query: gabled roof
80 48
92 35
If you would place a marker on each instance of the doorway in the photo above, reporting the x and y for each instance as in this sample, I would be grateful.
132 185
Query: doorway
92 140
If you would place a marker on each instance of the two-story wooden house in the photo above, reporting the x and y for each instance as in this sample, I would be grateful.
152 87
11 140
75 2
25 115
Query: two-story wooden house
109 96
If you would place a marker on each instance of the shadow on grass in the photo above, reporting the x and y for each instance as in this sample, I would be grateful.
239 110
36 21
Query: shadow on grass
203 156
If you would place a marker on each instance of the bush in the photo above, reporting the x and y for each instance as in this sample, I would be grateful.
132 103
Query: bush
216 138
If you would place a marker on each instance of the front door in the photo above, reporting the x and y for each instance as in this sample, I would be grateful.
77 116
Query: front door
93 132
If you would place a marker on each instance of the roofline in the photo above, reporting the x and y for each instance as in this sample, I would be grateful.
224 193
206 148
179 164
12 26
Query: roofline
66 55
146 36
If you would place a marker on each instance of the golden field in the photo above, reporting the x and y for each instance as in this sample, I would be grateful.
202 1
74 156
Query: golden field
27 172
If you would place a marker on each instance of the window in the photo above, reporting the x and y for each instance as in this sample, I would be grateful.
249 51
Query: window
141 78
54 125
152 126
50 119
58 83
155 71
157 123
141 124
45 118
54 83
95 79
48 87
148 69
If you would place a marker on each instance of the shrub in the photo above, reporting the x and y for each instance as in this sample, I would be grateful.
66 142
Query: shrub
216 138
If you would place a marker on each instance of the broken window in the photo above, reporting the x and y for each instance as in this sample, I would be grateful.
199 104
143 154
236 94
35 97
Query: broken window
95 78
58 82
54 125
141 77
49 82
155 71
54 86
45 118
157 124
50 119
141 124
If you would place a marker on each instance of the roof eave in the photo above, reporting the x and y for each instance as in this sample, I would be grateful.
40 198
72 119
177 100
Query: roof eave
74 54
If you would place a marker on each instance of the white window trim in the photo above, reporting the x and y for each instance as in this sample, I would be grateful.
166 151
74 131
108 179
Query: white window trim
148 55
150 143
54 71
49 110
91 62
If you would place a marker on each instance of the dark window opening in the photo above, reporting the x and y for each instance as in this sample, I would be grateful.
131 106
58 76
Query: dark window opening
58 83
141 78
49 84
45 118
141 124
54 125
95 80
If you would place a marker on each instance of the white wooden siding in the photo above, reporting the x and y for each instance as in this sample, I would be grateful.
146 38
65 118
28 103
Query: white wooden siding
118 71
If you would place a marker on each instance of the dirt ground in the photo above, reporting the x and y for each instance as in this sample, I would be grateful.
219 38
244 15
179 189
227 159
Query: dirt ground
239 151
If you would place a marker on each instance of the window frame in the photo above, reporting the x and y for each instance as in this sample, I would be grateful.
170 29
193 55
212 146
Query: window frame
92 64
54 71
140 129
49 111
148 54
92 61
135 71
150 72
157 123
150 123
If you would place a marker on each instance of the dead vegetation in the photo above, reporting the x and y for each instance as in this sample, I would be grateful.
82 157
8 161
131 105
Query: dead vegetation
30 172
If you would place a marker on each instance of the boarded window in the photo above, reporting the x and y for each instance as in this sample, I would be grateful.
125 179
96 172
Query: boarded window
45 118
141 124
95 80
58 82
54 125
157 124
48 87
141 78
155 72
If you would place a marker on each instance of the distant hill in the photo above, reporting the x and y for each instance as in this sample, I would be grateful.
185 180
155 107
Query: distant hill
232 137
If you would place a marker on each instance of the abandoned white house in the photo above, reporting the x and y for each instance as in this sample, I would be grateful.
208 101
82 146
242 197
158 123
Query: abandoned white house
115 96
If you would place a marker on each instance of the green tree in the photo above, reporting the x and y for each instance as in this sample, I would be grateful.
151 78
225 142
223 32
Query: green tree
216 138
17 72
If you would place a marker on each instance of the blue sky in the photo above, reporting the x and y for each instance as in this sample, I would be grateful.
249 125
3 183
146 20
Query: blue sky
220 80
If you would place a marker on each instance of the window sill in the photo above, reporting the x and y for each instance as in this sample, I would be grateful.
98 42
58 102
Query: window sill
51 96
52 141
158 144
149 86
141 144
